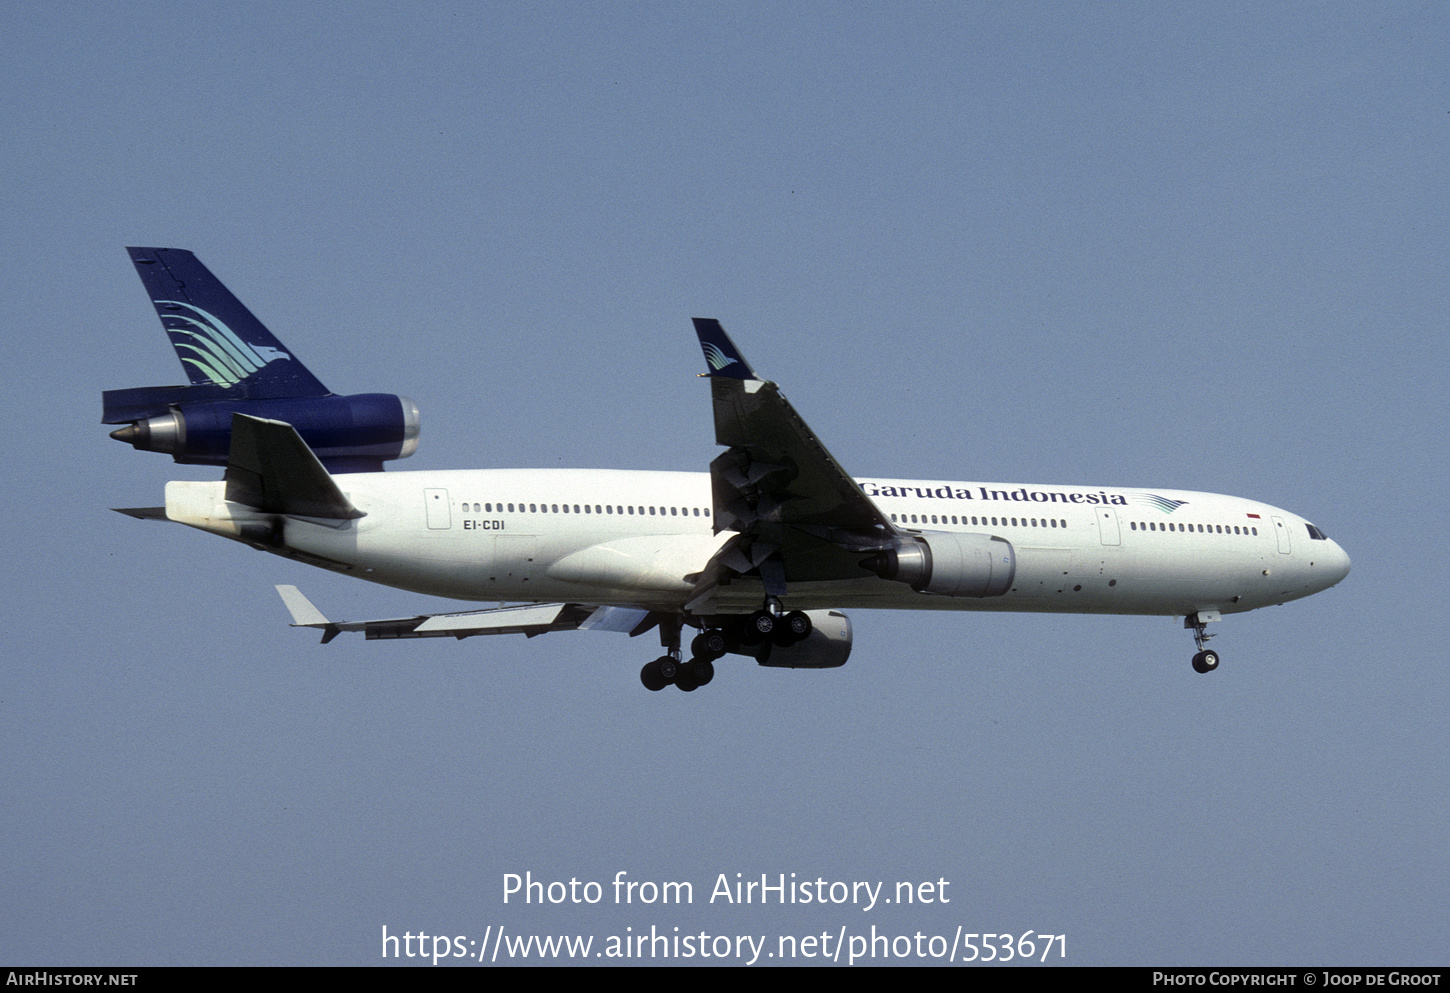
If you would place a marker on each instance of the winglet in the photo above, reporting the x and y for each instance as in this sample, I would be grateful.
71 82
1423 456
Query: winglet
721 355
305 615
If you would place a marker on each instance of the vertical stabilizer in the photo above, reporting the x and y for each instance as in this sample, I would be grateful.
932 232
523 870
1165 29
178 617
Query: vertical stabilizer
218 340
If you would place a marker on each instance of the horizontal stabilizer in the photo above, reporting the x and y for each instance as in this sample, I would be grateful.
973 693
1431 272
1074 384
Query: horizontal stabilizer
143 513
272 469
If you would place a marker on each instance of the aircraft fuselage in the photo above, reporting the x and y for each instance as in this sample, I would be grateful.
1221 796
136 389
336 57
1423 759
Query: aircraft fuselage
639 538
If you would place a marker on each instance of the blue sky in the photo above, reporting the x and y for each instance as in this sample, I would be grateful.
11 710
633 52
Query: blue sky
1183 246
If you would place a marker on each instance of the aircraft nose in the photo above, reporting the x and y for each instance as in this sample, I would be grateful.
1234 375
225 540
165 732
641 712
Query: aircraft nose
1338 562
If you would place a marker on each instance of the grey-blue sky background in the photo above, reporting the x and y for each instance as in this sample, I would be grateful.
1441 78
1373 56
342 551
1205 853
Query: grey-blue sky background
1188 246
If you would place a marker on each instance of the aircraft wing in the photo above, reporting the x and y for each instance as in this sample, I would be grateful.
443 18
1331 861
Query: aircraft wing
800 515
530 619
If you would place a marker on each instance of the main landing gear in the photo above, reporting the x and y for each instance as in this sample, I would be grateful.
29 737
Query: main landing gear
769 624
689 676
733 634
1207 659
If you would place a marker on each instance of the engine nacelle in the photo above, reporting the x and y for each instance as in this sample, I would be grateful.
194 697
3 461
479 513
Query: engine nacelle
348 433
948 563
826 647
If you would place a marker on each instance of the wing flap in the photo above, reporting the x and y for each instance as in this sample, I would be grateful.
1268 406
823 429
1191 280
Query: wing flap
800 515
776 469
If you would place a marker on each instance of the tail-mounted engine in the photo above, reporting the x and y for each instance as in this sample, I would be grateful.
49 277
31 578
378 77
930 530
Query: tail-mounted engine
348 433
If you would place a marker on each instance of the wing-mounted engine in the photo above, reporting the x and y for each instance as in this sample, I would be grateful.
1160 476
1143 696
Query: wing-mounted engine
826 647
948 563
826 643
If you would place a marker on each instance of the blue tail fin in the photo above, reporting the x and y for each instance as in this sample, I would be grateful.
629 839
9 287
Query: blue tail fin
237 367
216 337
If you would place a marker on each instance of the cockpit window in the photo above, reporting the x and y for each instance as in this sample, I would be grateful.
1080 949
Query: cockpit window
1315 533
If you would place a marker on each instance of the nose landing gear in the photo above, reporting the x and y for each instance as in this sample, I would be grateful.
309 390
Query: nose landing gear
1206 660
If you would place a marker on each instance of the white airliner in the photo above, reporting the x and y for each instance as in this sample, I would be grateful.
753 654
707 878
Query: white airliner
759 554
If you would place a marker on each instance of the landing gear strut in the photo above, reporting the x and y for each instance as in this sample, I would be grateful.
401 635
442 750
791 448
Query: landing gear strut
1206 660
664 670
